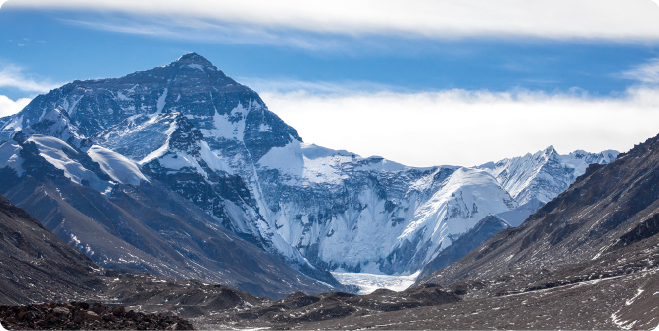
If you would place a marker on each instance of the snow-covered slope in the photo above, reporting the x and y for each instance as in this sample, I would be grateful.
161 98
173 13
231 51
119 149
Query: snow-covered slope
118 167
545 174
57 123
98 168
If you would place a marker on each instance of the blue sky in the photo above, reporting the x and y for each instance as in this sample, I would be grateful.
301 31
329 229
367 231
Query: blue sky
428 82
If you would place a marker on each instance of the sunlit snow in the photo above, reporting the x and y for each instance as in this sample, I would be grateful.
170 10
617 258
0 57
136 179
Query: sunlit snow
368 283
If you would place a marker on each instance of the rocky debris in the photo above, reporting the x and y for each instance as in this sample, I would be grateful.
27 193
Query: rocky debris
299 308
186 298
83 316
36 266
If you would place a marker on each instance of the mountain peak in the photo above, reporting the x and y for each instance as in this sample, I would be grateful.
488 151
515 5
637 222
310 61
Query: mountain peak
193 58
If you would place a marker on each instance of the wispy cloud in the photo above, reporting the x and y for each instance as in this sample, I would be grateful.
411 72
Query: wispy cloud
620 20
287 86
464 127
646 73
14 77
203 30
11 107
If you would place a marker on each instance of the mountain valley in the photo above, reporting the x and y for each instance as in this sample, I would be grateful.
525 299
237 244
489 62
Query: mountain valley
176 190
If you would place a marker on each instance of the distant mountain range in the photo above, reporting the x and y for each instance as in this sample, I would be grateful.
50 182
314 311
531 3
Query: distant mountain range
180 171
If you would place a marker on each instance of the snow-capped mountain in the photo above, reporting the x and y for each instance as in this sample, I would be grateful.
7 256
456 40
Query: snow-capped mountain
215 143
545 174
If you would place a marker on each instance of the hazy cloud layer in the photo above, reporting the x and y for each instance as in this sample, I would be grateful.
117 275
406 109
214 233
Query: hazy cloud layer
11 107
13 76
646 73
465 127
621 20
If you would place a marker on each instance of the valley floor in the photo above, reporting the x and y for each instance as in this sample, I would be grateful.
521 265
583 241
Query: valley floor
591 305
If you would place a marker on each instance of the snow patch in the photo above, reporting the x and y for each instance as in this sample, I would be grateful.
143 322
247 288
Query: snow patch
10 156
161 101
118 167
196 66
16 124
214 161
52 149
287 159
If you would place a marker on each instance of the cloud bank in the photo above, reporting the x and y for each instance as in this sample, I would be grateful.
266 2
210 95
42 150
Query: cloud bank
621 20
467 127
11 107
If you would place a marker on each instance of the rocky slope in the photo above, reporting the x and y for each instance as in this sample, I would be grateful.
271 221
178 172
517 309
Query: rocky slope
36 266
82 316
480 233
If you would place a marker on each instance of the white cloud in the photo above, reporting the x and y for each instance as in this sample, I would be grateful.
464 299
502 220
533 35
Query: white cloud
621 20
645 73
467 128
13 76
10 107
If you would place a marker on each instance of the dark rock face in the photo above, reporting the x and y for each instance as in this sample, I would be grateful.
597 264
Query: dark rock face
480 233
206 187
82 316
35 265
608 207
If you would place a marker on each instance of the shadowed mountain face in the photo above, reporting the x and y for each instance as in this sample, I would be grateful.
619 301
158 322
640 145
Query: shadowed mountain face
36 266
609 207
480 233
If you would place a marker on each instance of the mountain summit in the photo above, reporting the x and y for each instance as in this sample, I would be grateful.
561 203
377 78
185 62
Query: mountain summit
193 59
